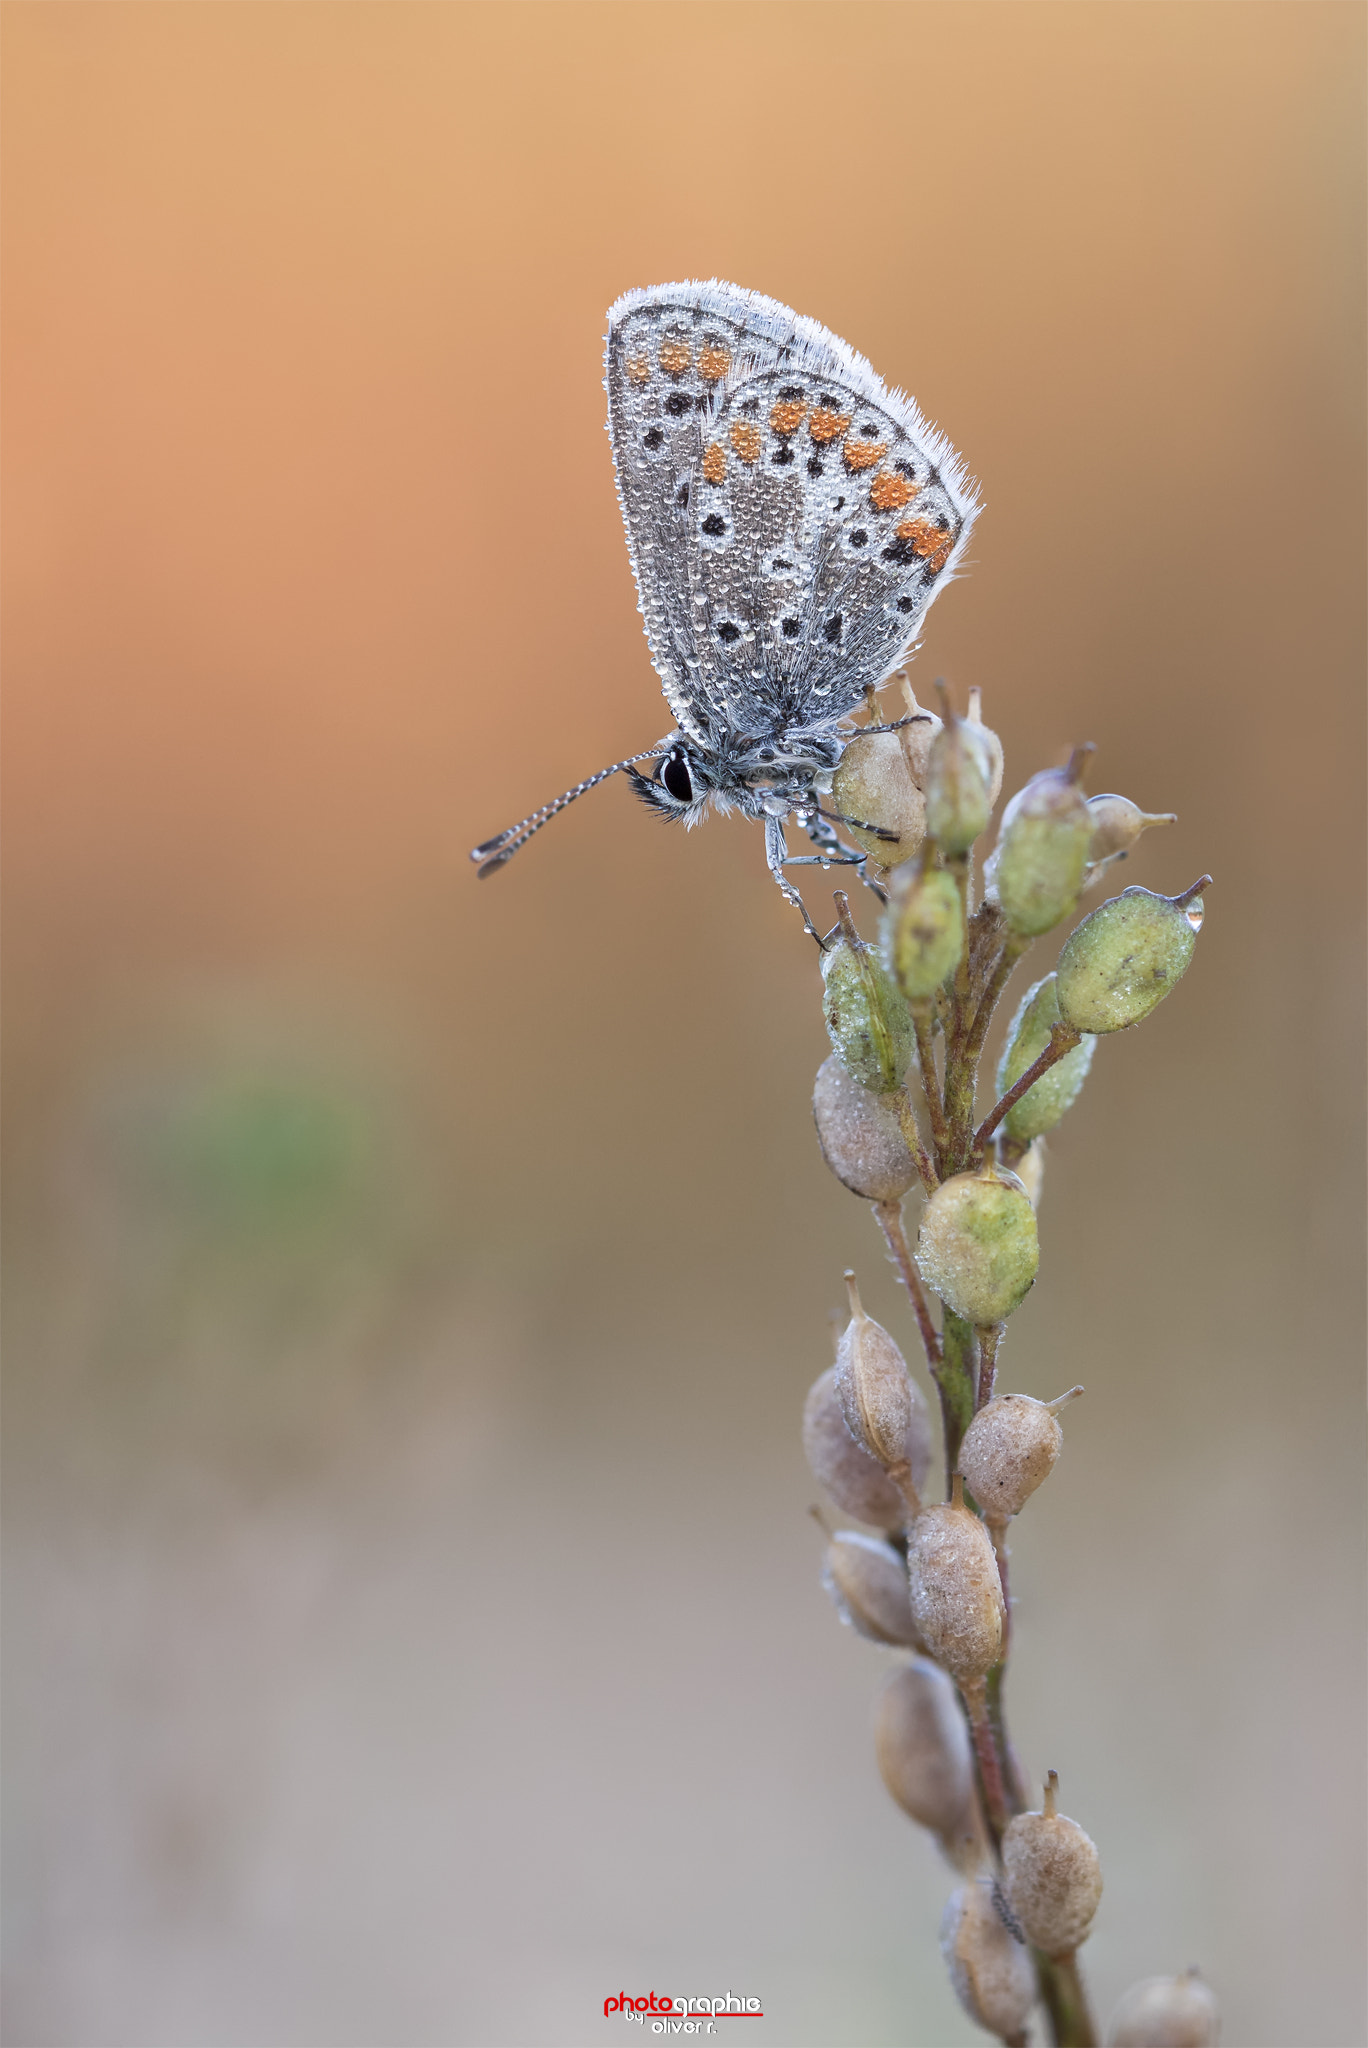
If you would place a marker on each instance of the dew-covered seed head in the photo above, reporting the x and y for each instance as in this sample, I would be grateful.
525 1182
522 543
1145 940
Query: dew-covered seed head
956 1592
1042 850
857 1483
861 1136
867 1019
867 1580
876 784
977 1247
1117 826
991 1971
1008 1449
873 1388
1041 1107
922 1746
924 925
958 805
1124 958
1053 1876
1167 2012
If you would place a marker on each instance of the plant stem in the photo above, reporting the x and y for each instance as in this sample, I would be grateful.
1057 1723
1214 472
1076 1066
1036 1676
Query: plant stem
1065 2000
989 1337
955 1384
930 1079
1063 1039
907 1118
889 1215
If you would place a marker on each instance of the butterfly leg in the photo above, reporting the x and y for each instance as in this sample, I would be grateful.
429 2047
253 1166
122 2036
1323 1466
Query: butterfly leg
836 853
777 853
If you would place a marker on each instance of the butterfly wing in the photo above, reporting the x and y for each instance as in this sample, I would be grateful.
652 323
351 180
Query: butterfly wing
788 516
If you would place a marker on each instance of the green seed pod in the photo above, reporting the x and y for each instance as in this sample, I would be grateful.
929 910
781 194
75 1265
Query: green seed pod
867 1019
977 1247
1041 1107
1008 1448
857 1483
922 1747
990 746
926 932
867 1580
1123 959
861 1136
958 805
1042 850
1117 825
875 784
874 1390
1167 2012
991 1970
956 1593
1053 1876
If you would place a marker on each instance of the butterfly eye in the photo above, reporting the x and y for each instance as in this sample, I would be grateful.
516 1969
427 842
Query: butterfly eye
675 778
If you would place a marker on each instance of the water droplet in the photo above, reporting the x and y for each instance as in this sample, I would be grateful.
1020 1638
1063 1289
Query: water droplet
1194 914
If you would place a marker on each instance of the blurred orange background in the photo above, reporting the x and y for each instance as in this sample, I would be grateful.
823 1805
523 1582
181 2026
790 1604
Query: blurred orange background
414 1634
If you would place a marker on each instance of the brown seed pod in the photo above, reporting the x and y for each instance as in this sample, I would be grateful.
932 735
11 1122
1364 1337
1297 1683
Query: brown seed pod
923 1750
877 785
956 1593
874 1390
861 1136
867 1580
1008 1448
1167 2012
990 1969
856 1482
1053 1876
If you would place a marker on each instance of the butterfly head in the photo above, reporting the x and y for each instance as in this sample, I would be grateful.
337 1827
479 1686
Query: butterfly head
680 786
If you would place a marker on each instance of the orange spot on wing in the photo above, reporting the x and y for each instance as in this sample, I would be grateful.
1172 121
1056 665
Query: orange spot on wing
745 439
933 543
639 369
864 454
826 425
889 491
675 357
787 416
715 461
714 361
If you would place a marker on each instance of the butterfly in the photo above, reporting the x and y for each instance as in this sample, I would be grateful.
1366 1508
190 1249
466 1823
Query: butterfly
789 519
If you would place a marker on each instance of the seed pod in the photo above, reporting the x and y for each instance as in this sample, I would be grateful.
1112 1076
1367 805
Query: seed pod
856 1482
1008 1448
1117 825
958 806
990 1969
922 1746
874 1390
1054 1877
1042 850
977 1247
1123 959
867 1580
861 1136
990 746
866 1018
876 784
1041 1107
1167 2012
926 932
956 1593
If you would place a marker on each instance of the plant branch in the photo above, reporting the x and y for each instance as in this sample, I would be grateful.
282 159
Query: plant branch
930 1079
889 1216
907 1118
1063 1039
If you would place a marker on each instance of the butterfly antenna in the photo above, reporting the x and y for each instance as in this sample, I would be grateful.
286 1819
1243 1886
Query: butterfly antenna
504 845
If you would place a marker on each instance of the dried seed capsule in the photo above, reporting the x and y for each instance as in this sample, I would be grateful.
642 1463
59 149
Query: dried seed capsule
956 1592
990 746
867 1019
991 1970
926 932
875 784
1123 959
1008 1448
977 1247
1053 1875
861 1136
856 1482
874 1390
922 1746
1041 1107
867 1579
1167 2012
958 806
1042 850
1117 825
